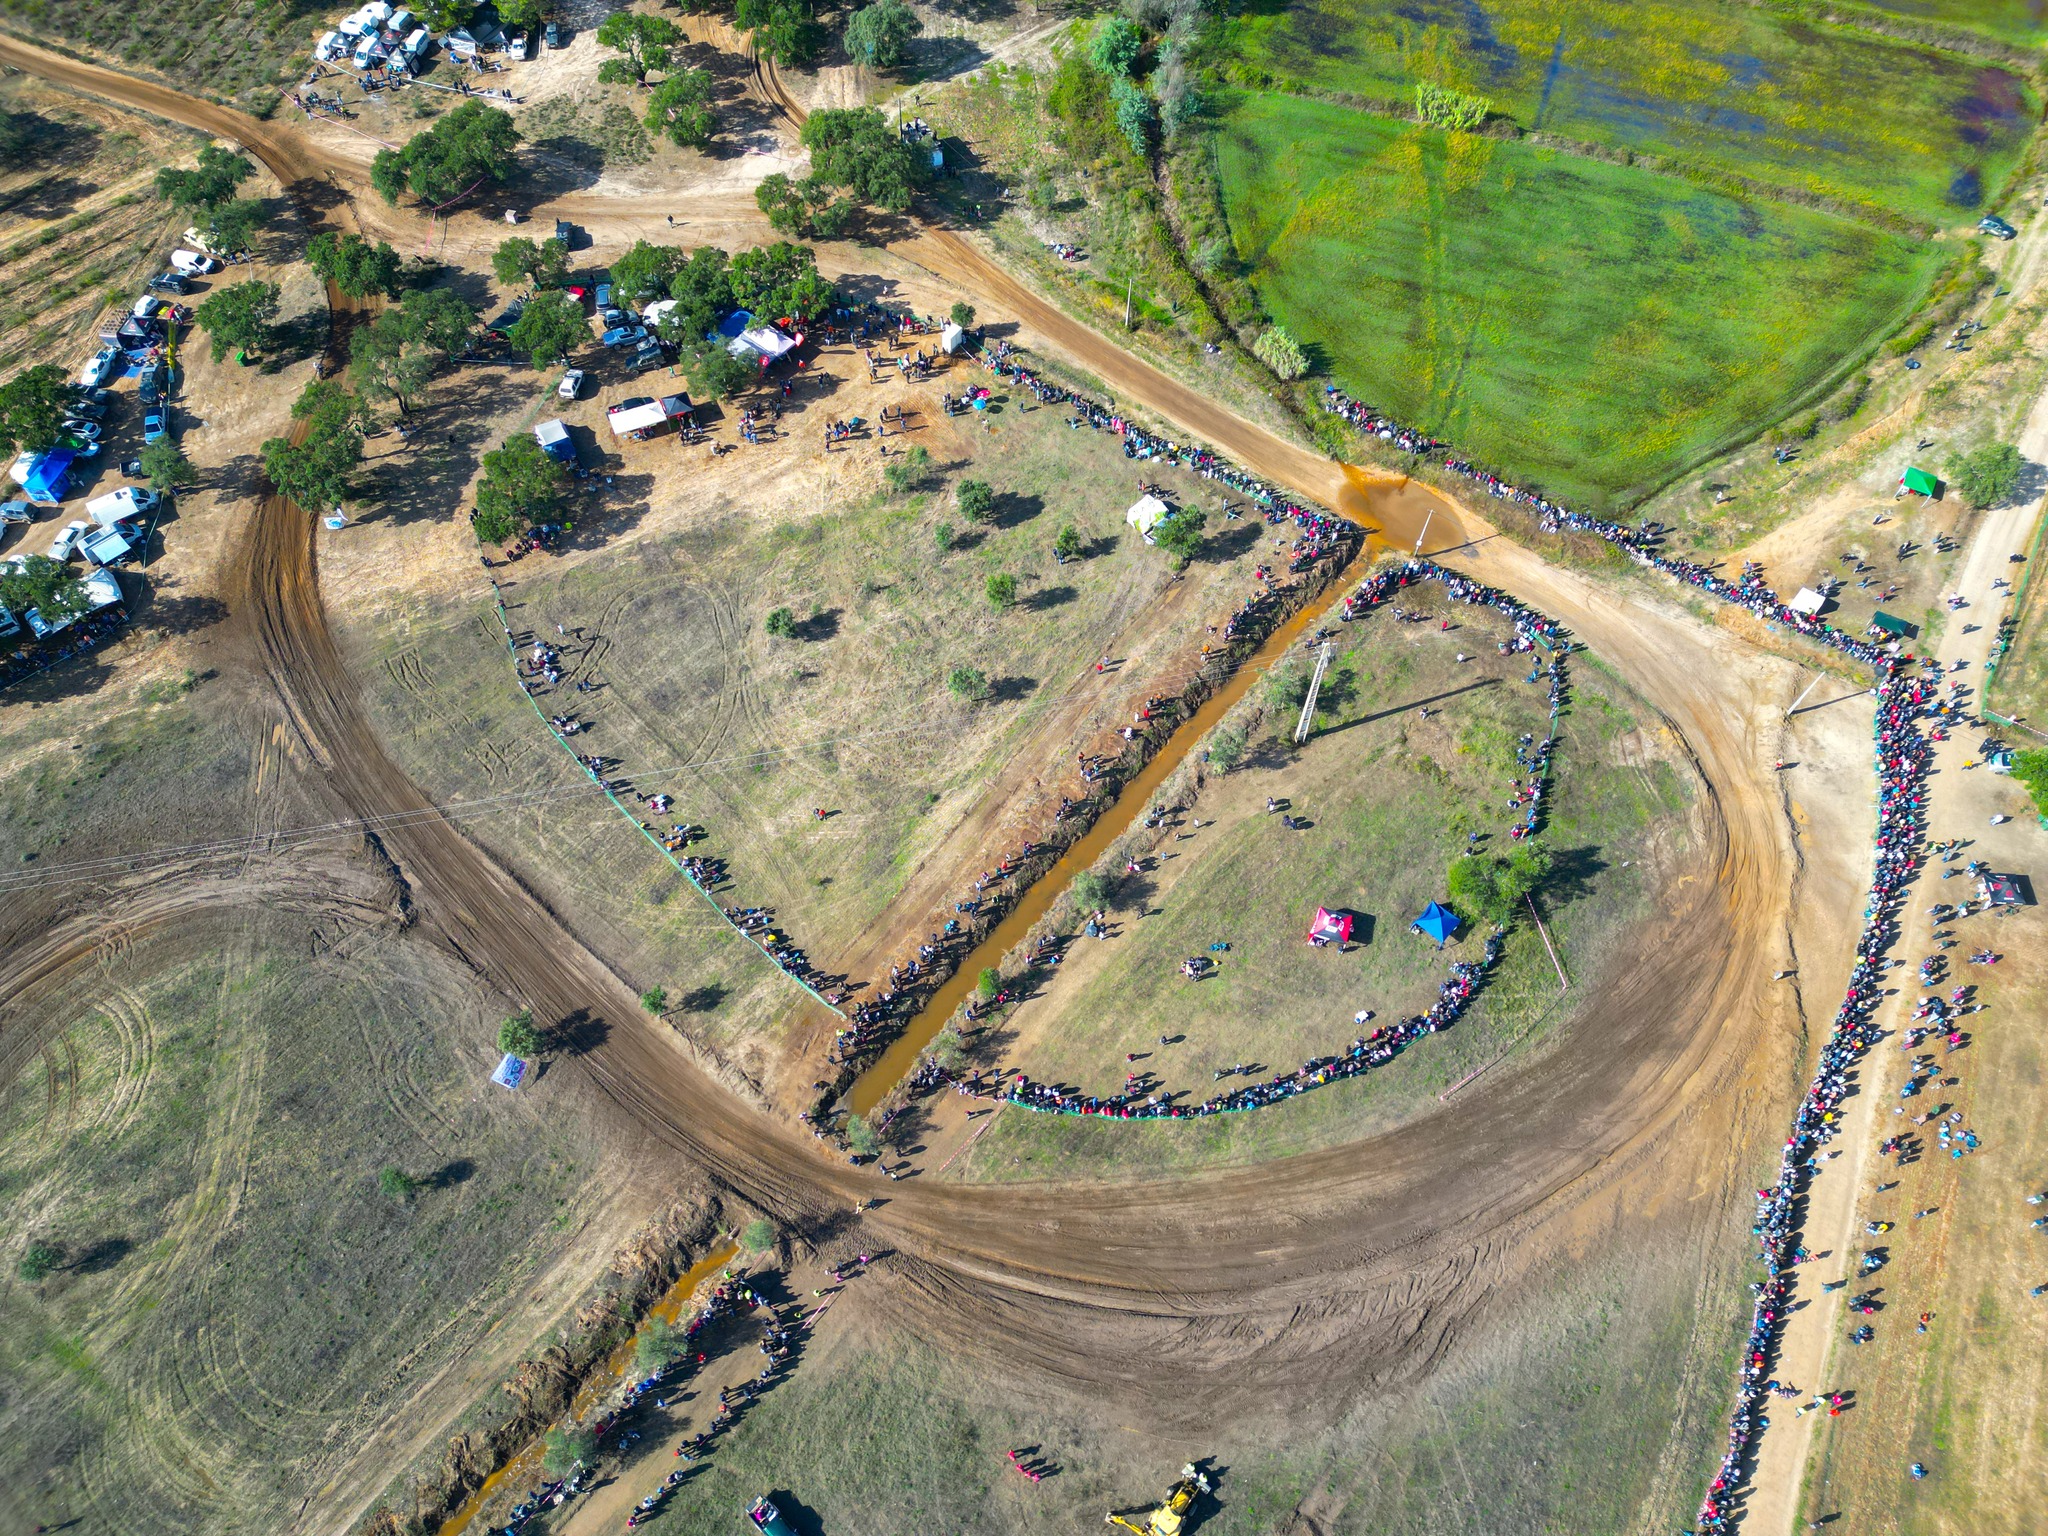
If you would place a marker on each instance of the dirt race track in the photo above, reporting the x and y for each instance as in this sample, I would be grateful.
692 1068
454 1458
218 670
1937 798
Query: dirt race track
1362 1263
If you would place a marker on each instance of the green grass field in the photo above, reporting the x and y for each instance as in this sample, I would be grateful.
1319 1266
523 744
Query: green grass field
1821 110
2011 21
1592 326
1393 799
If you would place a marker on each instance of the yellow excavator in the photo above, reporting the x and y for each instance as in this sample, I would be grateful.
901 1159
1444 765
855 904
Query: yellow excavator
1170 1518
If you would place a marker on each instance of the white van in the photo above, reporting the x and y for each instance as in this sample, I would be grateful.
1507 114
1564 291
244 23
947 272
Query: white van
192 264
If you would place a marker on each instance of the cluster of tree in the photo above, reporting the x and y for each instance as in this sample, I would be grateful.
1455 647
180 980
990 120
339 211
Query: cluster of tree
1493 885
785 31
679 105
855 152
397 354
879 35
33 405
44 585
466 149
549 328
315 472
544 264
447 15
208 192
774 281
355 266
521 486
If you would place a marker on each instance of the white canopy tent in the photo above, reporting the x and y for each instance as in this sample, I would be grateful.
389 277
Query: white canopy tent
1146 514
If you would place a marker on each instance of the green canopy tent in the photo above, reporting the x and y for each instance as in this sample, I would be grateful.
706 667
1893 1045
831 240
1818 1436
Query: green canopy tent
1890 625
1918 482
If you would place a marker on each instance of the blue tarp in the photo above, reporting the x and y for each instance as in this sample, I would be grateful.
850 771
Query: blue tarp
734 323
1438 922
49 475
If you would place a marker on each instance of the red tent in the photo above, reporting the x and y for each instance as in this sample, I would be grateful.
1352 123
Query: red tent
1330 927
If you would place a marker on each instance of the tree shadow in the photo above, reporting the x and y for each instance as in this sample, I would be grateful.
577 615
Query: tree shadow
823 625
1009 690
1225 544
1572 873
450 1174
1048 597
1012 509
51 198
181 615
101 1256
580 1033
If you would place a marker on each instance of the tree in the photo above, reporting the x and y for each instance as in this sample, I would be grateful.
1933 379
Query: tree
654 1000
470 146
397 1183
681 108
781 624
942 536
38 1262
856 148
1494 885
644 272
520 260
1116 45
447 15
803 208
758 1236
969 683
1001 589
1226 747
948 1049
962 314
33 405
166 468
44 586
907 471
563 1447
517 1036
779 281
1281 353
240 316
861 1136
988 984
977 501
219 173
1181 534
878 35
713 372
355 266
438 319
550 327
517 15
385 363
1068 545
659 1343
234 224
1135 114
520 486
1091 890
643 42
316 472
702 288
1988 475
784 30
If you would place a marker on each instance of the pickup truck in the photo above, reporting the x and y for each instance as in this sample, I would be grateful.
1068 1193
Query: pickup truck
571 385
105 364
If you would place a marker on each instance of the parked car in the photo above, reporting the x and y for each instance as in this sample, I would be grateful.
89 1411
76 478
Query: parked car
150 307
67 539
85 394
152 384
554 35
104 368
566 233
170 282
571 385
1992 224
89 430
88 410
81 447
619 335
648 355
156 423
604 296
17 512
192 263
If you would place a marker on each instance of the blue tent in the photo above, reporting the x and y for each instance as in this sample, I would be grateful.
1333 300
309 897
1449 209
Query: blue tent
46 477
1438 922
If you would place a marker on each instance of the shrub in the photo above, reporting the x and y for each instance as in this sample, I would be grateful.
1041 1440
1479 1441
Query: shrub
1068 546
977 501
1493 885
659 1343
1281 353
962 314
781 623
943 537
1134 113
564 1446
1226 747
758 1236
2031 769
518 1037
1442 107
1988 475
1116 46
861 1137
1090 889
948 1049
38 1262
1910 341
1001 589
969 683
988 983
397 1183
654 999
907 471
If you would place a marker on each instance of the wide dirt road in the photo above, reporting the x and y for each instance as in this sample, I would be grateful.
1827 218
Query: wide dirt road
1366 1260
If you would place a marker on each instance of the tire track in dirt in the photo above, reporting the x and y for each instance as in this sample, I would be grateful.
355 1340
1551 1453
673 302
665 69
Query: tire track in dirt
1366 1260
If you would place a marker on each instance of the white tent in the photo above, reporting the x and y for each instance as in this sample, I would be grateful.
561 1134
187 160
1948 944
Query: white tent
1808 602
762 341
658 311
636 418
1146 514
952 338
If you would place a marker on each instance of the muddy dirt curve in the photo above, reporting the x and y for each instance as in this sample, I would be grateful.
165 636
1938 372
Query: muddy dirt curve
1283 1285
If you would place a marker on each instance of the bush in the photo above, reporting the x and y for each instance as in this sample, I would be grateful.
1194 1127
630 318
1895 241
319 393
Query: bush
907 471
861 1136
977 500
1090 890
1226 747
1135 114
2031 769
659 1342
563 1447
781 623
969 683
1001 589
988 983
1494 885
1988 475
758 1236
397 1183
654 999
1116 46
1281 353
948 1049
942 536
518 1037
1442 107
1910 341
962 314
1181 534
1068 546
38 1262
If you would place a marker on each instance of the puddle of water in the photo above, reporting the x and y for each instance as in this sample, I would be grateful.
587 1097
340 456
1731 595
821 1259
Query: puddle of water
527 1463
1396 514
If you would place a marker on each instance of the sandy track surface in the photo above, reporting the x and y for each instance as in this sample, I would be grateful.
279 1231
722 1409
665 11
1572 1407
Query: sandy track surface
1365 1260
